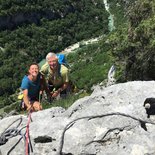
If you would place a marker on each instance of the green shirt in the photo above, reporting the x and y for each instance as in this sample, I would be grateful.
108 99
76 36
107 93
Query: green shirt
58 78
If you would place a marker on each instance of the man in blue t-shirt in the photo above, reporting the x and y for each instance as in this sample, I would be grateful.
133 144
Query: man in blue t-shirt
31 87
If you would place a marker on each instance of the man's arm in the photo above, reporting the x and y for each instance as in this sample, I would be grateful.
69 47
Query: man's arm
65 77
44 69
64 86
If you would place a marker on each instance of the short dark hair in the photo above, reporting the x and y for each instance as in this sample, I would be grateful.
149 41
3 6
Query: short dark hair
32 63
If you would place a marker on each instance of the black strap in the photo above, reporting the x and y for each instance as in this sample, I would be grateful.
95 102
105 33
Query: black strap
3 140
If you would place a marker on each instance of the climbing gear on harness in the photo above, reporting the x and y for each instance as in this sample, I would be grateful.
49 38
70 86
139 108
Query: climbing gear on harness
20 95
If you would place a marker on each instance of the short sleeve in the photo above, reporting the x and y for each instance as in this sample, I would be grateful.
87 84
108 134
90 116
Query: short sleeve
44 69
25 83
65 73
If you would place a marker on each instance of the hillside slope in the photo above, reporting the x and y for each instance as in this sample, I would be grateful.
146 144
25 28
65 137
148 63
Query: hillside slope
29 31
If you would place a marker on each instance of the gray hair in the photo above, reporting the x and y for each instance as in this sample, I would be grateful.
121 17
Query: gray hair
50 55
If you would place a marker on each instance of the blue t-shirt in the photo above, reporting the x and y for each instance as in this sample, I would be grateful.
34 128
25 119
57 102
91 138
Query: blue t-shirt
33 87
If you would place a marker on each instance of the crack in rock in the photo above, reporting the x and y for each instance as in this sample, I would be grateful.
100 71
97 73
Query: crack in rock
43 139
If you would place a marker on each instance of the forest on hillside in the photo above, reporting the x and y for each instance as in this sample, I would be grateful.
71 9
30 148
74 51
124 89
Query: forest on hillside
28 41
131 46
134 44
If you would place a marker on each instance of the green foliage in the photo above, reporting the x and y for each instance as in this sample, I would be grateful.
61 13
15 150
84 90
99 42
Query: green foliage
133 44
130 47
91 65
13 106
30 42
1 102
65 103
139 11
76 21
140 50
118 11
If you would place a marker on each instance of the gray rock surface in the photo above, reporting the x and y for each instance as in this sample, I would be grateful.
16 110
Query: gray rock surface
112 121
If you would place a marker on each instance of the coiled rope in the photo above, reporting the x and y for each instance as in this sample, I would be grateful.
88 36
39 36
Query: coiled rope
12 132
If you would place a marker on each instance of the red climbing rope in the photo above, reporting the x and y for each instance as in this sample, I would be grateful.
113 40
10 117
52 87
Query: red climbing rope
27 134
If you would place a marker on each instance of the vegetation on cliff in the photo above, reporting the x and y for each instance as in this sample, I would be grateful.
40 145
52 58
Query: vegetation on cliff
130 46
29 42
134 44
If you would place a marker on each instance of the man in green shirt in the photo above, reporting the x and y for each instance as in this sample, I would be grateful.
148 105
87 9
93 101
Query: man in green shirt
56 75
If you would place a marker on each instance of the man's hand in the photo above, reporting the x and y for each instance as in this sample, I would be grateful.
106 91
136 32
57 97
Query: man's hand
55 94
